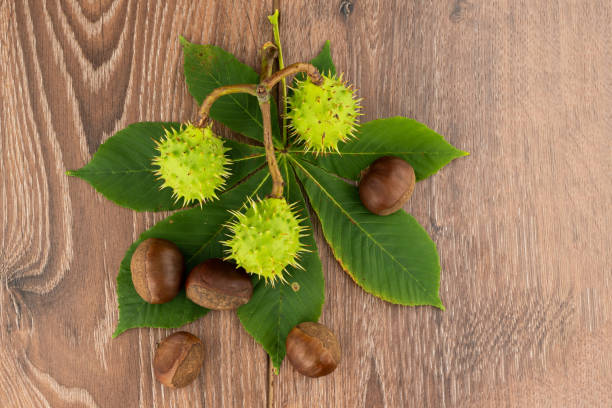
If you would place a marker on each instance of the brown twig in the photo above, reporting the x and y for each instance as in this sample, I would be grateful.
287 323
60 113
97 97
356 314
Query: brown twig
277 178
292 69
262 92
219 92
269 52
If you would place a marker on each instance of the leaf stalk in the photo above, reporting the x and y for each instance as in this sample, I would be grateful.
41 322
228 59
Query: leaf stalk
277 179
274 20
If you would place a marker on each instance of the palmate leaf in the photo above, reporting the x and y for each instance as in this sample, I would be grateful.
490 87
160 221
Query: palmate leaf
391 257
425 150
273 311
323 62
122 168
197 232
208 67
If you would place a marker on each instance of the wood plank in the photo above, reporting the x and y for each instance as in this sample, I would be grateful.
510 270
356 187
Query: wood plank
522 225
72 74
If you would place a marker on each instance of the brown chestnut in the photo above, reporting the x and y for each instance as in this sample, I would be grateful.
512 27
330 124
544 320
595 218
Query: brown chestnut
313 349
178 359
386 185
219 285
157 270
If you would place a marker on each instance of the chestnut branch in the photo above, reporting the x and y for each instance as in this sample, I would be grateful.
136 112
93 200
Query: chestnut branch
269 52
292 69
277 178
219 92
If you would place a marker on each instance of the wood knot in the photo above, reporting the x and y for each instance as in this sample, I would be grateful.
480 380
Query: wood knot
460 9
346 8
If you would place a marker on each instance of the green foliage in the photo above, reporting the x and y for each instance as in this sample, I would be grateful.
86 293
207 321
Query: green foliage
323 62
197 232
207 68
391 257
274 311
122 169
425 150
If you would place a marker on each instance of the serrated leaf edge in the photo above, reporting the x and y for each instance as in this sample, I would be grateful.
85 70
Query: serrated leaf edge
437 301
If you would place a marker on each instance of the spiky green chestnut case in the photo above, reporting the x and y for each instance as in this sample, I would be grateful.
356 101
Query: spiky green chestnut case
192 163
323 115
266 238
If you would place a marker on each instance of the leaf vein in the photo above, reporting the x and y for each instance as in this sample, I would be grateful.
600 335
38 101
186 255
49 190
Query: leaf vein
379 245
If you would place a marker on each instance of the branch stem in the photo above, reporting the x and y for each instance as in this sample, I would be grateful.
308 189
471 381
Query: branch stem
292 69
277 178
219 92
269 52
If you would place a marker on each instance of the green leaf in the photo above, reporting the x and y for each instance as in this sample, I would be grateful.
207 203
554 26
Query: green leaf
122 171
207 68
323 62
391 257
273 311
425 150
197 232
245 160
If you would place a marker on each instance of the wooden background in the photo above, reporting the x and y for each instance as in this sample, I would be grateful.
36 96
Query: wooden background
523 225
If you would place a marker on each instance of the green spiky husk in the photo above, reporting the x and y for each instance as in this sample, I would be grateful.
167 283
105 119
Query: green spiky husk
265 239
323 115
192 163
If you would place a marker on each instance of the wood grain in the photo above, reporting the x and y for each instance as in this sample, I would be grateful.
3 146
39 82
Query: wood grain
522 225
73 74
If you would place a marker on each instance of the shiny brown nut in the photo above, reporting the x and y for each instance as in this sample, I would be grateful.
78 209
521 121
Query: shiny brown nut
157 270
313 349
219 285
178 359
386 185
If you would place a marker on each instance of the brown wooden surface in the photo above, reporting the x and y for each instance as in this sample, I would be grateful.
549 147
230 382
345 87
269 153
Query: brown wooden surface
522 225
